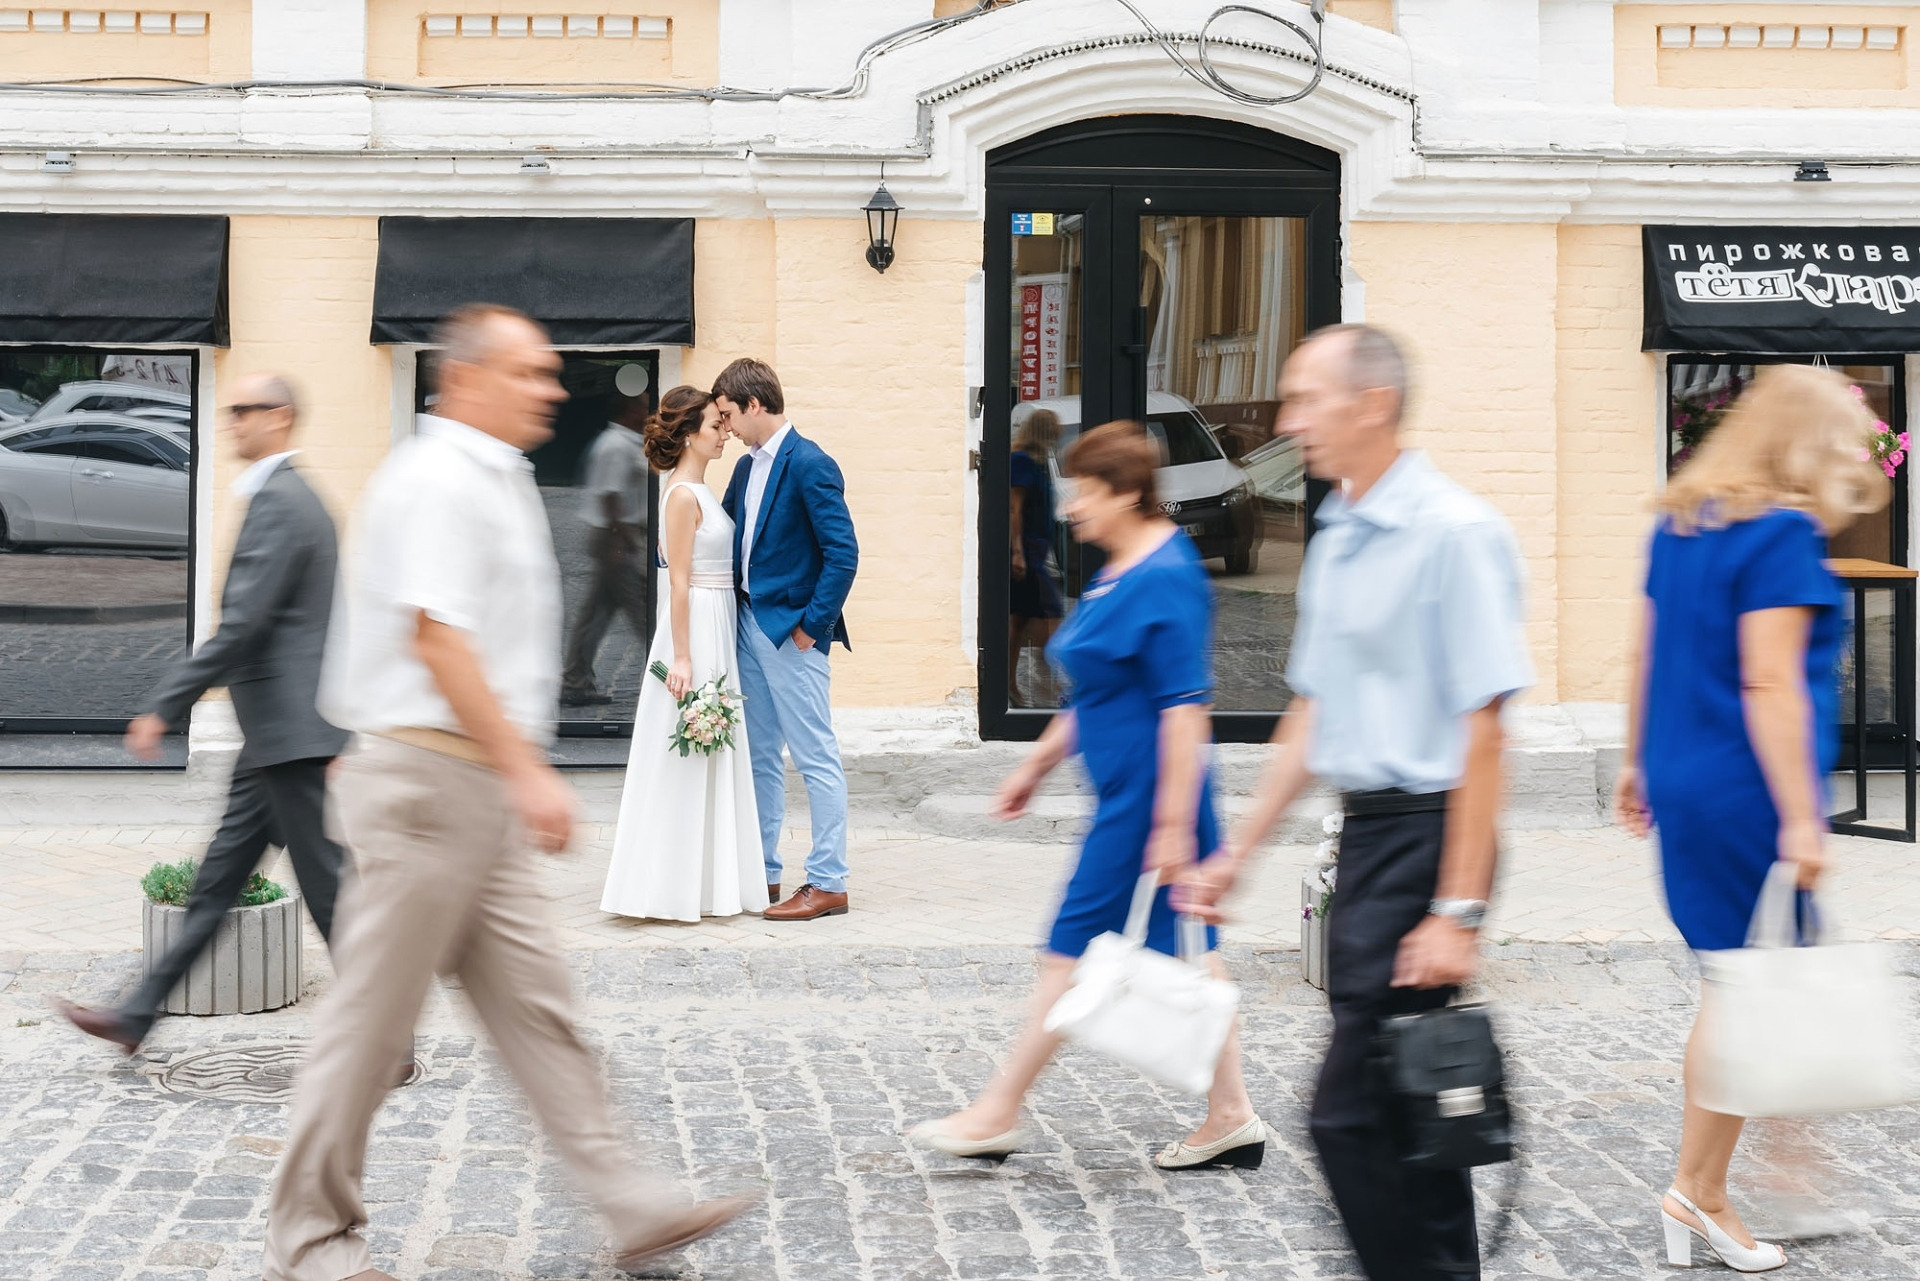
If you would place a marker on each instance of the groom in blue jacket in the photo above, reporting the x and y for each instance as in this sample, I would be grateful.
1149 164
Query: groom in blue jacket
794 558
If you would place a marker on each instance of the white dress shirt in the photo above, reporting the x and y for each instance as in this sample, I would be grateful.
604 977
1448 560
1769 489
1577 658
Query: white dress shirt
254 478
1411 609
452 525
760 457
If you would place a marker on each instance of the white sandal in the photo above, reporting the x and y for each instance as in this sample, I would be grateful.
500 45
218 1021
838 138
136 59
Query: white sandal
1763 1256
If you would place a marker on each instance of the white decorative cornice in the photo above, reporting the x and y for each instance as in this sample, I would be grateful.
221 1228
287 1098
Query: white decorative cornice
1417 139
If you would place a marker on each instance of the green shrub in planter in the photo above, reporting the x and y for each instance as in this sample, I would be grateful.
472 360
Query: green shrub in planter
172 883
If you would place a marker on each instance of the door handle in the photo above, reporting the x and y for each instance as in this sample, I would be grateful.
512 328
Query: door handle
96 473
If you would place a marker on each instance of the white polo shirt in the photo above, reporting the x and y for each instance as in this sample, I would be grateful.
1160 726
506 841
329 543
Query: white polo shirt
452 524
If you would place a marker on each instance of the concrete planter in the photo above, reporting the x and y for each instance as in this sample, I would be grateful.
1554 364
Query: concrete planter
1313 930
252 964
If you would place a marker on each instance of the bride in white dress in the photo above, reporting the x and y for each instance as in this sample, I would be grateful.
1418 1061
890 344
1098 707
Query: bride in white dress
687 843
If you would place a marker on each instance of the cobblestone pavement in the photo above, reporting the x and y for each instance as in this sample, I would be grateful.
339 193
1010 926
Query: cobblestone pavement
793 1071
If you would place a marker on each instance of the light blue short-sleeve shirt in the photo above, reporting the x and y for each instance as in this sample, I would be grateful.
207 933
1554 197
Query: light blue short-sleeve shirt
1411 608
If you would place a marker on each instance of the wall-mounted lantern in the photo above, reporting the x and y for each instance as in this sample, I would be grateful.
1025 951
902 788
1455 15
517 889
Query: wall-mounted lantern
883 217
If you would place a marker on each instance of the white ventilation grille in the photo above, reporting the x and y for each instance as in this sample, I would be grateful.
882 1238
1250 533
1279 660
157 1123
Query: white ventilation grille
546 26
90 22
1754 35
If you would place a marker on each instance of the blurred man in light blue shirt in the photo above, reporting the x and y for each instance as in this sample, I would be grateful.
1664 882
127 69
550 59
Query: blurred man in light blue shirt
1408 642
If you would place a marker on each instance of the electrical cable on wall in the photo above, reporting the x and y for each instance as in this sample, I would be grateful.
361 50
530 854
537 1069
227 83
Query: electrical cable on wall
1202 71
1205 73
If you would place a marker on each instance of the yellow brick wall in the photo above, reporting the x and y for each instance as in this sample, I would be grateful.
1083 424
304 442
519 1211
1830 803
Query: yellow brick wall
873 367
1647 75
1372 13
1608 407
1475 304
398 48
224 51
300 299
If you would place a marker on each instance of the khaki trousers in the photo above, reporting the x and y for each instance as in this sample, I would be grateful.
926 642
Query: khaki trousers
443 882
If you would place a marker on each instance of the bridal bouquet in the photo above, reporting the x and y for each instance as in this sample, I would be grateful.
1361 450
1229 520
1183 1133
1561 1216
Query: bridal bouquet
708 716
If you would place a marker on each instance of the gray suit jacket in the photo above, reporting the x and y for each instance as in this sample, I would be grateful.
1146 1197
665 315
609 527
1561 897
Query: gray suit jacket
273 627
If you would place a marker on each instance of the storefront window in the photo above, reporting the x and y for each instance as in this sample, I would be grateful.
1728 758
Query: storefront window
1700 388
599 497
96 519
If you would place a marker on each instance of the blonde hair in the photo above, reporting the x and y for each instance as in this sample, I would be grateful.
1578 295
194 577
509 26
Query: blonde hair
1796 439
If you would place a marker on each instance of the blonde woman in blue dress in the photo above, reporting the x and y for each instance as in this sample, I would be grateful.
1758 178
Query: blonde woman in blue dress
687 843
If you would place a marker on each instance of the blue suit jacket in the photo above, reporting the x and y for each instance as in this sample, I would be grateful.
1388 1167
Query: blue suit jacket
804 555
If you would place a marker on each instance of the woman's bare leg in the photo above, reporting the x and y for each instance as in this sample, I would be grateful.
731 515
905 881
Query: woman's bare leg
1707 1140
997 1108
1228 1107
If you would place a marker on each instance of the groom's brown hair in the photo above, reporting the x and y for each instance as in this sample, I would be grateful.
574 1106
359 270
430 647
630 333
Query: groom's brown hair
749 379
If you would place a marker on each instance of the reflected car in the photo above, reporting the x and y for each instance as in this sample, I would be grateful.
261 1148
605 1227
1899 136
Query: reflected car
93 479
1203 492
103 397
15 406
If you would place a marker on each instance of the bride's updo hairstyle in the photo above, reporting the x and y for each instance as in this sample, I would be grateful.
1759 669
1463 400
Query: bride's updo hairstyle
679 417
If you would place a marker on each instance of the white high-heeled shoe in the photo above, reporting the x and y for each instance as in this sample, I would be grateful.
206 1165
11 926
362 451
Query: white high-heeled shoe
1764 1256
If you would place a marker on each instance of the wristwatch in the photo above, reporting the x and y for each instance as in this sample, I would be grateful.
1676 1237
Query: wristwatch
1467 913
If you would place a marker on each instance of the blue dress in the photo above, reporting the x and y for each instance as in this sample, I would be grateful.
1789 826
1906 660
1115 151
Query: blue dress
1139 643
1719 831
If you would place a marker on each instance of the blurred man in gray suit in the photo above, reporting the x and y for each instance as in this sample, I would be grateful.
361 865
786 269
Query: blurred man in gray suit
273 626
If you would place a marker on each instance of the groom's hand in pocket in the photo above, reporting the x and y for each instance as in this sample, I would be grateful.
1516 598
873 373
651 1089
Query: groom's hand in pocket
802 641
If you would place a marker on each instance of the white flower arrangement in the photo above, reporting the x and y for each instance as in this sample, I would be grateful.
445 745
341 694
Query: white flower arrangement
707 716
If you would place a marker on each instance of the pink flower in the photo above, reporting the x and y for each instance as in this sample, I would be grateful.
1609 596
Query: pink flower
1866 455
1858 394
1897 457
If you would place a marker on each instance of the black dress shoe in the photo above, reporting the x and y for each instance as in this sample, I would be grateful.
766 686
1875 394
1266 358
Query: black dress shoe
101 1023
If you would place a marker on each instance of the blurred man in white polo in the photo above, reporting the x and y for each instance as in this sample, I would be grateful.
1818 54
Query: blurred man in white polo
447 662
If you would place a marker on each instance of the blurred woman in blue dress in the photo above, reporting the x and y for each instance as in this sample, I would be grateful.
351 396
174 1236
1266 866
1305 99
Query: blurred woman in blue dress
1138 653
1732 722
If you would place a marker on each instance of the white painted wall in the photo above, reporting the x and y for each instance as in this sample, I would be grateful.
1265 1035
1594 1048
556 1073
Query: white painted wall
309 39
1515 122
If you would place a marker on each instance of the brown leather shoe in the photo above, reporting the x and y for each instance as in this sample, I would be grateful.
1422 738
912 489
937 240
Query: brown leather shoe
808 902
100 1023
702 1219
773 892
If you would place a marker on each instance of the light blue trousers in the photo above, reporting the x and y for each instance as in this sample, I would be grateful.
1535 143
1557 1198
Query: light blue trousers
787 691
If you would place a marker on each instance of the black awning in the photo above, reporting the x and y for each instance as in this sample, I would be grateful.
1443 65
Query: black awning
590 281
1782 290
113 278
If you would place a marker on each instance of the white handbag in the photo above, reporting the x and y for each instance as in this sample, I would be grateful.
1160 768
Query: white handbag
1798 1031
1164 1015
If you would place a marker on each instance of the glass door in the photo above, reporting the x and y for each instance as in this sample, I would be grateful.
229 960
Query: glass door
1159 269
1221 301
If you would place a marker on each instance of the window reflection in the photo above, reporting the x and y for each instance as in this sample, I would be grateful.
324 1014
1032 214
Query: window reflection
96 472
598 495
1700 389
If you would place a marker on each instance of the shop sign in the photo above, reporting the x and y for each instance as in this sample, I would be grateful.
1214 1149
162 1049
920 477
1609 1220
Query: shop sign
1787 290
1042 335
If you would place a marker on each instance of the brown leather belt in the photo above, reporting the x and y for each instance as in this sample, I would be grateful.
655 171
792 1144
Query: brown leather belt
445 742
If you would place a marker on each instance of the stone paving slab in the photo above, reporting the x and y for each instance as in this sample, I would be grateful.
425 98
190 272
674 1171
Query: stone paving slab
793 1071
76 889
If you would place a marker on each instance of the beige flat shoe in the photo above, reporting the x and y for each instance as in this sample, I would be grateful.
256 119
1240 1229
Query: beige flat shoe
1243 1149
934 1135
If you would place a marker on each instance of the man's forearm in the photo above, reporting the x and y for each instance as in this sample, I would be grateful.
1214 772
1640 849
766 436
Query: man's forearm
1282 780
1471 849
456 672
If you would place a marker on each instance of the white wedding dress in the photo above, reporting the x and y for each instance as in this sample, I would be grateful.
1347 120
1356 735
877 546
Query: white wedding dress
687 843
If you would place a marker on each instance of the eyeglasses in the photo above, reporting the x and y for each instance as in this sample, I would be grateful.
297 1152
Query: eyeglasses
236 410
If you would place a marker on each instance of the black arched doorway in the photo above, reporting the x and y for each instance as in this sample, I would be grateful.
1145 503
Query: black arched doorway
1158 268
